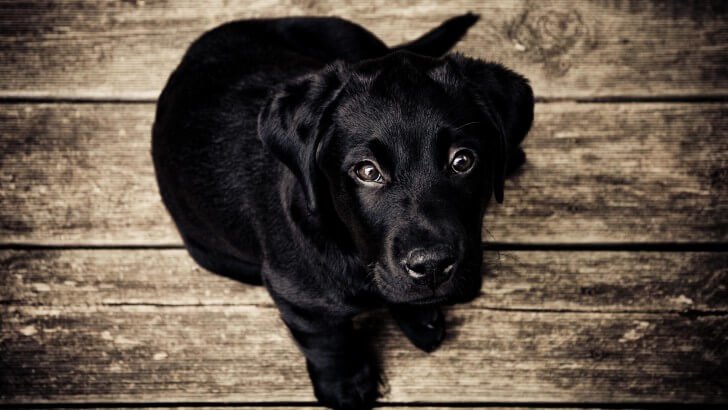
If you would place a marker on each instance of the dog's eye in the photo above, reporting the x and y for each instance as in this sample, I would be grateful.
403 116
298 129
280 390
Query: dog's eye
367 172
462 161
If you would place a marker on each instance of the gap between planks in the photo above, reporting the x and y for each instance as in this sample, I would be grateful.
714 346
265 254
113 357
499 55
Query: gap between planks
383 406
486 246
19 98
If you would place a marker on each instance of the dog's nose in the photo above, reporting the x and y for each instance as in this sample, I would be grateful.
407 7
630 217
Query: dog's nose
434 264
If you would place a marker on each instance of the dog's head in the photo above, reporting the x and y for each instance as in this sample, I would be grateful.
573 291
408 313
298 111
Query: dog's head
406 150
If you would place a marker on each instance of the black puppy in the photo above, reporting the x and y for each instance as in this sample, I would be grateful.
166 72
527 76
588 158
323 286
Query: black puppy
305 154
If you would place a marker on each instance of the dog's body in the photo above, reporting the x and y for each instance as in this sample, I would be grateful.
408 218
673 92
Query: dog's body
267 141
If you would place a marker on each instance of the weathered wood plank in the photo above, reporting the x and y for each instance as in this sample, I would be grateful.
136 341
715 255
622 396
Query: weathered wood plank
111 49
620 173
70 169
526 280
81 173
242 353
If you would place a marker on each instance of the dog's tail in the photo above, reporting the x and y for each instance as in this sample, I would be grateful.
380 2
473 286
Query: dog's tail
441 39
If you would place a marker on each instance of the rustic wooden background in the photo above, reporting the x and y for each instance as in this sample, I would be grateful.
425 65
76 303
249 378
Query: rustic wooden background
610 255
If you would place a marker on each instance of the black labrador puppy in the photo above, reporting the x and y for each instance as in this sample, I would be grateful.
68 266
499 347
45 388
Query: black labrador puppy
306 155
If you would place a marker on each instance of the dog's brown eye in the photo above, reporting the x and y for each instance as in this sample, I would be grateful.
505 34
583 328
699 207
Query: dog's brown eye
368 172
462 161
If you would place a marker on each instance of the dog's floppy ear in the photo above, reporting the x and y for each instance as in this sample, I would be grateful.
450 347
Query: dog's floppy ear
293 120
506 99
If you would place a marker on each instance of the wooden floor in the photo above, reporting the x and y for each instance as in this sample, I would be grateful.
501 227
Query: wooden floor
610 254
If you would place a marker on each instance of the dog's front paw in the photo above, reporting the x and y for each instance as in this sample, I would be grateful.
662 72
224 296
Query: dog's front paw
424 326
345 386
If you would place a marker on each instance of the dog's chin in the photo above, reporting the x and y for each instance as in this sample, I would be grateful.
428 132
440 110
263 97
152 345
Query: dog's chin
413 299
462 287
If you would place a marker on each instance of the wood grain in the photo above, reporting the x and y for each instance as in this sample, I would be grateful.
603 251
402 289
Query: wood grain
120 50
242 353
597 173
519 280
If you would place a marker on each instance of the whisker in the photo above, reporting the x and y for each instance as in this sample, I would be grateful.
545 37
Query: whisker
466 124
371 276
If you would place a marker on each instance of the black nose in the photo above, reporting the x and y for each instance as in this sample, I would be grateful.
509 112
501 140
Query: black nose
434 264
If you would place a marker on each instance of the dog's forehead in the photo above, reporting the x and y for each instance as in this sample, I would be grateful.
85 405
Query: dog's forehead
411 120
392 123
379 112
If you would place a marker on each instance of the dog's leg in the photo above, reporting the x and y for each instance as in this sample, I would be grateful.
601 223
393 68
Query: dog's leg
222 264
343 373
424 326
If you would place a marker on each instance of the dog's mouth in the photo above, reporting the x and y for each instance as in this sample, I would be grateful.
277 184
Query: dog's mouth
399 289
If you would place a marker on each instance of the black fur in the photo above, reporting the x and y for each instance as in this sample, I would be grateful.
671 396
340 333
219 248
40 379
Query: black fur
256 142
